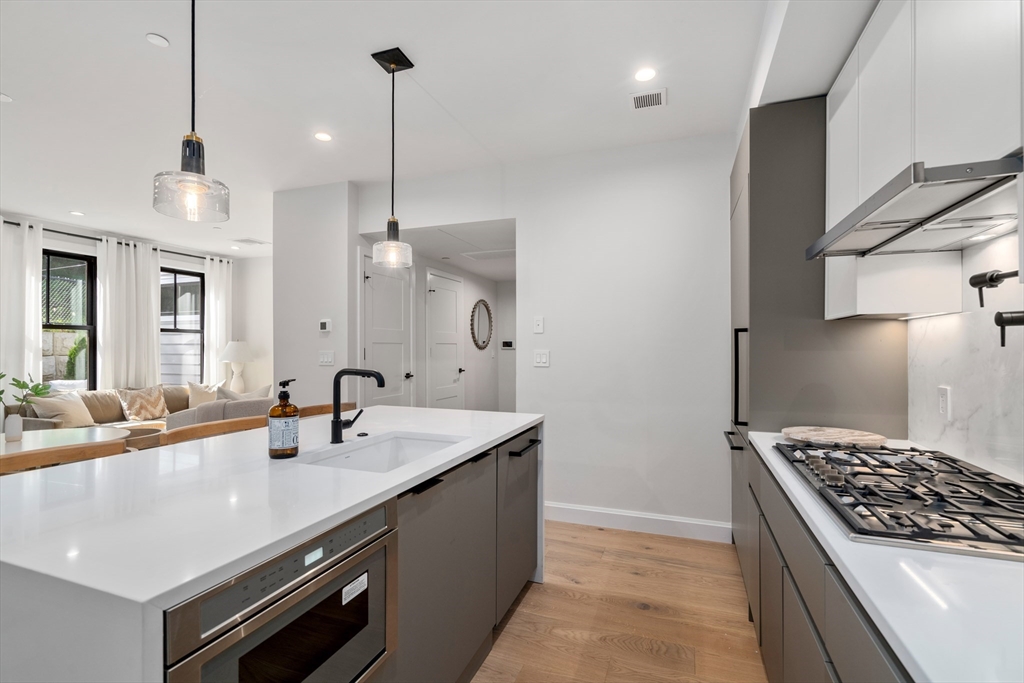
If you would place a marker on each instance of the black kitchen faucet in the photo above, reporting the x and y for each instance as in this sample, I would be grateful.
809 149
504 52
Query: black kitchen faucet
338 426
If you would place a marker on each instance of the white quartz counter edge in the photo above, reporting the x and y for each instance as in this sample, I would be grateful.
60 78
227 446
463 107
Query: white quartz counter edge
123 565
947 617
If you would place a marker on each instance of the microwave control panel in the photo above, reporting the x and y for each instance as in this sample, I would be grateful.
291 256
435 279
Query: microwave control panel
274 576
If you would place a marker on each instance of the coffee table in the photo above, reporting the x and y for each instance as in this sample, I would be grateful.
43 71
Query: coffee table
52 438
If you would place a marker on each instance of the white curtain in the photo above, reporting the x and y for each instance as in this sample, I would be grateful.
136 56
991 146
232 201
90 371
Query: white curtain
218 318
127 314
21 266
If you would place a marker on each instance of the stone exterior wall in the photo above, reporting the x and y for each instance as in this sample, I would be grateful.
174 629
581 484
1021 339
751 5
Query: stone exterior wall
56 346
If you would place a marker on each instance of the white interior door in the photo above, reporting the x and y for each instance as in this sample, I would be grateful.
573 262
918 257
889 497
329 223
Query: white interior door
388 339
445 359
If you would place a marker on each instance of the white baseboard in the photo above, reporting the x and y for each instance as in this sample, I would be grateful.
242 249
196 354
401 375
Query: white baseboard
646 522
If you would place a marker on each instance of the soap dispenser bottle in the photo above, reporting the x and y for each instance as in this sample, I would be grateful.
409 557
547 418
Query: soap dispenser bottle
283 421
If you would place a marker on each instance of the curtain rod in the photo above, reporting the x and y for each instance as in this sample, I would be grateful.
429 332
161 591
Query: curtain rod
119 241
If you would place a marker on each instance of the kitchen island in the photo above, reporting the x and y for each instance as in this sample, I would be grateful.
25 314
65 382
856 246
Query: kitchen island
943 616
93 553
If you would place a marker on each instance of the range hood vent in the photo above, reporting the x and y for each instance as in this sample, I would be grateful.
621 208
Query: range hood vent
928 209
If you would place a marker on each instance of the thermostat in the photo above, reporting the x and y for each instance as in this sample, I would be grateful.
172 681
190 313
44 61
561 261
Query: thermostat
508 345
325 325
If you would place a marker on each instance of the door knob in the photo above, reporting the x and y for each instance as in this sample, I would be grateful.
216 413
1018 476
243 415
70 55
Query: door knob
409 375
462 370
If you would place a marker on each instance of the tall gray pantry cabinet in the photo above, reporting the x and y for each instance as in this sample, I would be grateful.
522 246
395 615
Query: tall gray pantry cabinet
792 367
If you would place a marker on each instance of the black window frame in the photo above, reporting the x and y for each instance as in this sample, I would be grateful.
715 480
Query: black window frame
202 314
90 305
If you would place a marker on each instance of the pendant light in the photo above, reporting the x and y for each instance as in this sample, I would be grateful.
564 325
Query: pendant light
392 253
190 194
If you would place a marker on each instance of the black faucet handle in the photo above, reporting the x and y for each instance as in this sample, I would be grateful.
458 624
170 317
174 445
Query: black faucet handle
345 424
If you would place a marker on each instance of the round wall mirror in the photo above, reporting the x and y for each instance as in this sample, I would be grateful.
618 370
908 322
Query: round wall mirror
481 324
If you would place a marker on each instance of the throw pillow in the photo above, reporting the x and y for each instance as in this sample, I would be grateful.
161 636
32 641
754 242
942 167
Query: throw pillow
66 407
143 404
175 396
104 405
262 392
199 394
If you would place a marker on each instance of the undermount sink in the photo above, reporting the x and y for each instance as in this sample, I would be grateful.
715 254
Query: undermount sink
384 452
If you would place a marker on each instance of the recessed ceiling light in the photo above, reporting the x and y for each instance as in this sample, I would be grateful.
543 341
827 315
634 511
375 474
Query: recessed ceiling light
158 40
645 74
5 98
978 238
323 137
233 246
76 213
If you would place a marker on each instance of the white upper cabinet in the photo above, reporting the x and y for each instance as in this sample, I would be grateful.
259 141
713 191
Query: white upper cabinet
886 85
843 180
968 80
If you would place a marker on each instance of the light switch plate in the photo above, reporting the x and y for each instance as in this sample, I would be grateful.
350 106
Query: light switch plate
326 357
542 358
538 324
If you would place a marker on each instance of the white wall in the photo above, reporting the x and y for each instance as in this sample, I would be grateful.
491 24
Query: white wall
311 281
987 381
505 330
620 250
480 381
252 318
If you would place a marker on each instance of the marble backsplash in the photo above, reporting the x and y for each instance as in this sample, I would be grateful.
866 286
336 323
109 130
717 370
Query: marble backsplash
987 381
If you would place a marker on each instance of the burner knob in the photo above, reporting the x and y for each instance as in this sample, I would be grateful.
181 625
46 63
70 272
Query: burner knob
834 479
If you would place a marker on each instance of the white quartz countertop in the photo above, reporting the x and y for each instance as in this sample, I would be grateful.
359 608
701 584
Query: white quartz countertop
947 617
162 525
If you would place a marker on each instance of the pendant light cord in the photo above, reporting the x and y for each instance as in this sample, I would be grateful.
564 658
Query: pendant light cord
392 138
193 66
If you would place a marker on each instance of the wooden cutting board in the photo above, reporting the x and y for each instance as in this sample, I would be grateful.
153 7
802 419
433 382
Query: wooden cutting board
833 435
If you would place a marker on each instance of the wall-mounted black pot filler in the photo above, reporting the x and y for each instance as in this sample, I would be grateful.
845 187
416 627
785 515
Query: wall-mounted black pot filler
1003 319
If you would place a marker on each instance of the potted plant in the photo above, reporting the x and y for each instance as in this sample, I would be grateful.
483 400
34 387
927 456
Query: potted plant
29 390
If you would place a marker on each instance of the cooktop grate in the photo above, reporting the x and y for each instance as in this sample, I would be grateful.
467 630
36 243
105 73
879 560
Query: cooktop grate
916 496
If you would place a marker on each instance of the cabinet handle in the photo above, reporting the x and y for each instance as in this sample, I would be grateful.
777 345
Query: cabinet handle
736 332
425 486
478 458
732 444
518 454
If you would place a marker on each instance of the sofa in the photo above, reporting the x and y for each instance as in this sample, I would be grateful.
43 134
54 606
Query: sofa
106 411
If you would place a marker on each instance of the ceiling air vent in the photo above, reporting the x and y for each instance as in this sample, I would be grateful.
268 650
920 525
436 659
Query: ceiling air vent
490 255
250 242
646 100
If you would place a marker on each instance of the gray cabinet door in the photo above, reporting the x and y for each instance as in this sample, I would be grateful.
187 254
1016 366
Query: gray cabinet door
517 518
748 549
446 574
857 650
803 655
771 606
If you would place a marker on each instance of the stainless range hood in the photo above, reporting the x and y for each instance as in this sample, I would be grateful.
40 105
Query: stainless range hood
928 209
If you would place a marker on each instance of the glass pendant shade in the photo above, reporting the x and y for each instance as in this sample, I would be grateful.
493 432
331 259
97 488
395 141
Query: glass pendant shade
392 254
191 197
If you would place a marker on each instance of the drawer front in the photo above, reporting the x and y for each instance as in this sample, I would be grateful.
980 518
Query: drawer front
771 607
857 651
804 658
805 561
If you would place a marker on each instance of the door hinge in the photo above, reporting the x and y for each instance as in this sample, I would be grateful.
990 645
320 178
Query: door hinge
364 353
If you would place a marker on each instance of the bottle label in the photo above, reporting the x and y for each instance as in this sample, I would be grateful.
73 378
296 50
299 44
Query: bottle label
284 432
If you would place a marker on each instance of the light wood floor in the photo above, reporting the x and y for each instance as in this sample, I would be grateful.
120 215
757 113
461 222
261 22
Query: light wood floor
620 606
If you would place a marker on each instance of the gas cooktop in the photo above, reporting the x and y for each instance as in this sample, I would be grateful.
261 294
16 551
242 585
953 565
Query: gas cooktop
916 497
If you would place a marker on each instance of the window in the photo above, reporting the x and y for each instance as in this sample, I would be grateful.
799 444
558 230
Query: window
181 326
69 321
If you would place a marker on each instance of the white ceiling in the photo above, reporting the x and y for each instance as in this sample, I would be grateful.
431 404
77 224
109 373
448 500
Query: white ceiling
451 243
98 110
